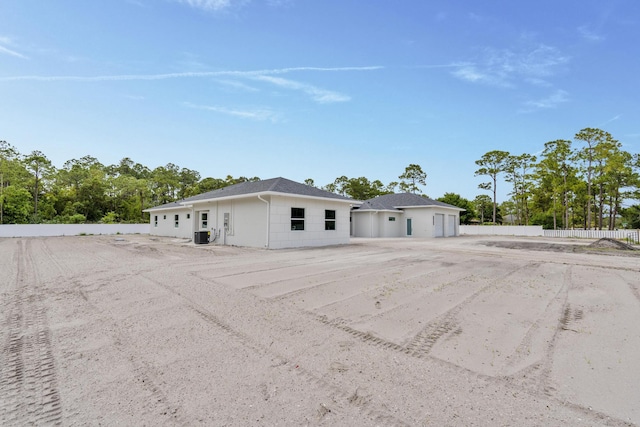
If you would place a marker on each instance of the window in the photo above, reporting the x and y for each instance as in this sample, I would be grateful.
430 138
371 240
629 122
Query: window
188 216
155 220
176 220
297 219
329 220
164 217
204 216
392 218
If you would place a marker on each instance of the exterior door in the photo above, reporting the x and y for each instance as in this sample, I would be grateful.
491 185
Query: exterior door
203 223
409 228
439 225
451 225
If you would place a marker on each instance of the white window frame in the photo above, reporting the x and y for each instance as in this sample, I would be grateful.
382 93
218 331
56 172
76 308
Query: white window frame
299 220
329 220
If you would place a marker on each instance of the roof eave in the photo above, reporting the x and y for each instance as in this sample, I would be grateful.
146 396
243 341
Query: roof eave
269 193
165 208
431 206
377 210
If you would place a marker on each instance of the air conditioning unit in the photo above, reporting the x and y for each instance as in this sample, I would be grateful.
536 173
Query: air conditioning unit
201 237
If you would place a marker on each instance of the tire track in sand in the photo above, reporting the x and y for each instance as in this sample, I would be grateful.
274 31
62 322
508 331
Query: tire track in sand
351 398
536 383
28 387
446 323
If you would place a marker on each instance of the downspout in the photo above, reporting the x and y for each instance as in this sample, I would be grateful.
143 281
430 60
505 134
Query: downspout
194 221
268 218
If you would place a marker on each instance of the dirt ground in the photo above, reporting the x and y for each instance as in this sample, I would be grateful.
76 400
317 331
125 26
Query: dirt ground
136 330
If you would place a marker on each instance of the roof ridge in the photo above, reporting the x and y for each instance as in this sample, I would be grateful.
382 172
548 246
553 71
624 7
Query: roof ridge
276 182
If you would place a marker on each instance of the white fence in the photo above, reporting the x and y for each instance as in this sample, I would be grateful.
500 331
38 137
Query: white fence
595 234
46 230
501 230
536 230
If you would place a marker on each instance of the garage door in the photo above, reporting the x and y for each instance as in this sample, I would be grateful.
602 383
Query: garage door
451 226
439 225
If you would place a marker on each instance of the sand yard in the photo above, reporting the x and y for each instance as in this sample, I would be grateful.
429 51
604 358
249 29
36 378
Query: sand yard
134 330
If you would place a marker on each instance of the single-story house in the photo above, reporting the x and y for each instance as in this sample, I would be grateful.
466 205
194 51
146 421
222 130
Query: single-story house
404 215
273 213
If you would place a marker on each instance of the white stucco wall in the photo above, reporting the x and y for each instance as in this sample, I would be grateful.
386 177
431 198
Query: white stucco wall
361 223
248 222
377 224
51 230
389 228
371 224
421 222
166 223
314 234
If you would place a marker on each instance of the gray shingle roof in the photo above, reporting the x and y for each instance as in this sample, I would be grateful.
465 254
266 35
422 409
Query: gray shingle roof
274 185
171 205
403 200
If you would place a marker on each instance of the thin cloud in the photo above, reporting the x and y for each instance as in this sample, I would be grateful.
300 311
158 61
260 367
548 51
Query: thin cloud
589 35
319 95
257 114
506 67
233 84
612 119
472 73
552 101
5 50
433 66
280 3
538 82
193 74
208 5
543 61
322 96
221 5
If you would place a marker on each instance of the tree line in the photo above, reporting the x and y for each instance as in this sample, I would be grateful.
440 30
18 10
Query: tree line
32 190
574 184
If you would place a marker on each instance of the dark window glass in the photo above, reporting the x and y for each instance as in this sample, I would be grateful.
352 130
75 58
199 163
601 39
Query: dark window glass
297 224
297 212
330 219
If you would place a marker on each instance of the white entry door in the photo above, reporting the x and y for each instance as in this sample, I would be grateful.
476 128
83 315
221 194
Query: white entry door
204 221
439 225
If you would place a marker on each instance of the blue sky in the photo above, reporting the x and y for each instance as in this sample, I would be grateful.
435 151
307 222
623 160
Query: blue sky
316 89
